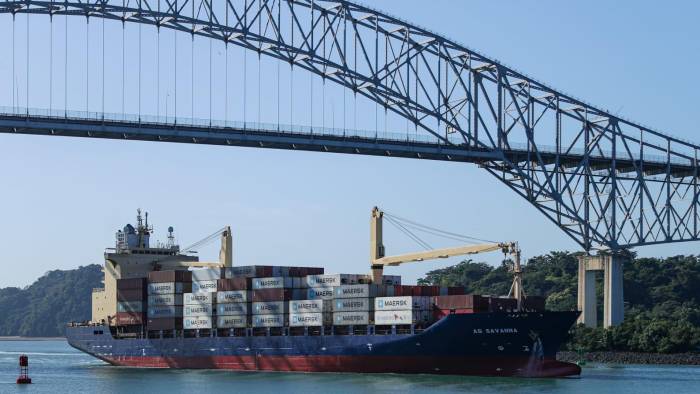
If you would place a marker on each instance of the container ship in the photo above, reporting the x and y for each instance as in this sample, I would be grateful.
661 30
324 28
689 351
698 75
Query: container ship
160 307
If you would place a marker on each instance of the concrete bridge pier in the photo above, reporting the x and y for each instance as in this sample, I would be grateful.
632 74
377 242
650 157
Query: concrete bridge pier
613 301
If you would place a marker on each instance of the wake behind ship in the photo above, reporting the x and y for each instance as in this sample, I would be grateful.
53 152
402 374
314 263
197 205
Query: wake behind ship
163 308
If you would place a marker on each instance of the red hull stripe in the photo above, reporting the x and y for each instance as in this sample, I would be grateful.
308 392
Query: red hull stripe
480 366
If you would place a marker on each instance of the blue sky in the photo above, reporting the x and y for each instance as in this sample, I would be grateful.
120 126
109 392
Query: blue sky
63 199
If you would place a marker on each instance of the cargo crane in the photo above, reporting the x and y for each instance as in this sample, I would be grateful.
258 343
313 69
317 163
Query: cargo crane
378 259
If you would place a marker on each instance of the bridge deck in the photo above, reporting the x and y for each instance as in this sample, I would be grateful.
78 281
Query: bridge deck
330 140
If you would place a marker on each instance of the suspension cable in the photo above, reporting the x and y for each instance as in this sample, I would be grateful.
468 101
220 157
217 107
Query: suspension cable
14 88
51 64
65 72
123 68
103 69
205 240
27 94
87 66
410 234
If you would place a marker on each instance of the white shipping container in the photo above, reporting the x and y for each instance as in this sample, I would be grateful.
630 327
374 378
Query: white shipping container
320 293
206 274
305 319
205 286
306 306
198 310
350 318
165 288
165 299
274 282
401 303
277 320
239 321
165 311
233 309
353 305
400 317
358 291
197 322
269 307
130 306
223 297
330 280
199 298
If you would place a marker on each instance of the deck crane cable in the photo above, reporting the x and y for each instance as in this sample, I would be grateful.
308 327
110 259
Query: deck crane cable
204 241
409 233
435 231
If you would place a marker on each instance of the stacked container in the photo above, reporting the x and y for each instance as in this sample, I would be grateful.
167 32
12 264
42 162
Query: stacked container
233 302
131 302
271 296
402 310
166 289
352 304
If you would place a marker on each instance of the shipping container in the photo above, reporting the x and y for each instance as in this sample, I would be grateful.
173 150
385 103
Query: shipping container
497 304
274 282
199 298
131 295
224 297
232 284
169 276
164 311
269 308
401 303
467 301
276 294
331 280
206 274
129 318
165 323
197 322
306 306
233 309
306 319
248 271
358 291
401 317
167 288
351 318
277 320
238 321
206 286
165 299
353 305
456 291
131 283
130 306
198 310
320 293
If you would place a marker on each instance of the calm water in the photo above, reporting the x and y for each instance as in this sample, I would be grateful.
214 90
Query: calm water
57 368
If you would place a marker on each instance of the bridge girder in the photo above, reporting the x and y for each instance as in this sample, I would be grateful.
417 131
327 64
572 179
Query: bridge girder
605 181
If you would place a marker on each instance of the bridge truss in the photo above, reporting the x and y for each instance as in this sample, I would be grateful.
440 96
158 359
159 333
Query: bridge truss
605 181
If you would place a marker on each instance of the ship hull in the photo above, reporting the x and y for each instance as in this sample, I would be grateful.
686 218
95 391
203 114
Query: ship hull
488 344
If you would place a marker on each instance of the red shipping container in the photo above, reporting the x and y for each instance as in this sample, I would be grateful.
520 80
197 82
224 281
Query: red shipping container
456 291
468 301
130 319
440 313
131 283
231 284
131 294
165 323
169 276
264 295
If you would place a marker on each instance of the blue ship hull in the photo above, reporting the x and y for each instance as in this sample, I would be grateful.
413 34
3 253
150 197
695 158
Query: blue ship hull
486 344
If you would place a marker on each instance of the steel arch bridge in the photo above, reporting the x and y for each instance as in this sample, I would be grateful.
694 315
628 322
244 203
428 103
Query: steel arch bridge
605 181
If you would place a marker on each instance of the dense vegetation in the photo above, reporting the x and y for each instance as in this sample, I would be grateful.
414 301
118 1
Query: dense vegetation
662 298
43 308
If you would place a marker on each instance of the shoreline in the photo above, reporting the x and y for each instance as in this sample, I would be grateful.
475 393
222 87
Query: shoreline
631 358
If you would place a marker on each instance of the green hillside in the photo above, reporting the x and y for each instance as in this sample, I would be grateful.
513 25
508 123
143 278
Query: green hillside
43 308
662 298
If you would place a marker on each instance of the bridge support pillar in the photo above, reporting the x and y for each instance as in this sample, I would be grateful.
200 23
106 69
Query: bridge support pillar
613 301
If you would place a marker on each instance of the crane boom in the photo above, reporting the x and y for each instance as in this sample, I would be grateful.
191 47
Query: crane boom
438 254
